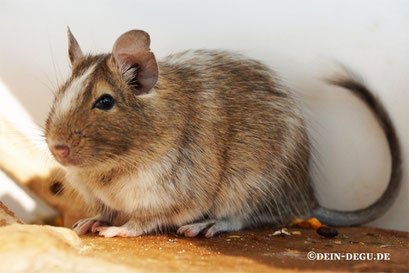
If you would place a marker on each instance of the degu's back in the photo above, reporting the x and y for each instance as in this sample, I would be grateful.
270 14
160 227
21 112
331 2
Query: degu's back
246 130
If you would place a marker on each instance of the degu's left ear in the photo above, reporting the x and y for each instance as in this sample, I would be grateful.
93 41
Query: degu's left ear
135 61
74 50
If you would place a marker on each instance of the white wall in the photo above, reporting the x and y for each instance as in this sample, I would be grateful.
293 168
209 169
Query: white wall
300 39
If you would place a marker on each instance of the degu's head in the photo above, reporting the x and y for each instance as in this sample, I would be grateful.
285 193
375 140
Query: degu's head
103 108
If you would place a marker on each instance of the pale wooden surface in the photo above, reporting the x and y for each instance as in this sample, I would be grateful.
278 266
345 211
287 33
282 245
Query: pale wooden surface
33 248
254 251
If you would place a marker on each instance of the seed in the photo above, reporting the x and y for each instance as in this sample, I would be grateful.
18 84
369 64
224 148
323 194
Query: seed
328 232
285 231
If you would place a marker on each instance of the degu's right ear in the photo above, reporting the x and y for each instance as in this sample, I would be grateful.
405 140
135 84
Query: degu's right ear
74 50
135 61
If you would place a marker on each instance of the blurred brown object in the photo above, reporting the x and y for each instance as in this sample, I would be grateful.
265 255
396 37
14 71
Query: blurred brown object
60 195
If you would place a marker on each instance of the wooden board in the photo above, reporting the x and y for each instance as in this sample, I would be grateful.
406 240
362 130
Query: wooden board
255 251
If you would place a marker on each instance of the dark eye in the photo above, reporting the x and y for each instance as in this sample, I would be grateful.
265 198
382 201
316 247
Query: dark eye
105 102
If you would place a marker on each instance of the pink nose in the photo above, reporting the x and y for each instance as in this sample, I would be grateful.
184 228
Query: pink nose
61 151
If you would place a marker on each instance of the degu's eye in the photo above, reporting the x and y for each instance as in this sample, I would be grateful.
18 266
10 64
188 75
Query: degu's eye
105 102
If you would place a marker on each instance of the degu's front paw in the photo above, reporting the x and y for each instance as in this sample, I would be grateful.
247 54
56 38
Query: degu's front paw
122 231
89 224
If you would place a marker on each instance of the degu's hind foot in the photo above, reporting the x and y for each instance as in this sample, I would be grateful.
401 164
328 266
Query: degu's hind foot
83 226
210 228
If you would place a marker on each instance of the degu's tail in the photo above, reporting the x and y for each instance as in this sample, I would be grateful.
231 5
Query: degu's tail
380 206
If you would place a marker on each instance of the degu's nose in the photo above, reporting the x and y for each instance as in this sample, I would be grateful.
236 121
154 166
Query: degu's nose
61 151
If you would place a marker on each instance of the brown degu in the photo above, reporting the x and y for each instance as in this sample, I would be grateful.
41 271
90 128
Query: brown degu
200 142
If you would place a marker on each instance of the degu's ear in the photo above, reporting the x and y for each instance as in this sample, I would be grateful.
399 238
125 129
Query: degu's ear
135 61
74 50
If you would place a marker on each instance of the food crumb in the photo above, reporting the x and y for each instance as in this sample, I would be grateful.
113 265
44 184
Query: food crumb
307 223
285 231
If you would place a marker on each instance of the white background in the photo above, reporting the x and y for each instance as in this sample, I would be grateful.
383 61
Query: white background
301 40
